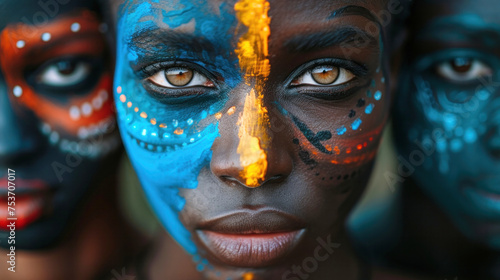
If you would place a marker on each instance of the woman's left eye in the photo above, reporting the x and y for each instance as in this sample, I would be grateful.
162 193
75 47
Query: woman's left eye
324 75
64 73
180 77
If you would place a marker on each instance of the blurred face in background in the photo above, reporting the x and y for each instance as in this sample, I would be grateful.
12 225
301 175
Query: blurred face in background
448 114
252 125
56 117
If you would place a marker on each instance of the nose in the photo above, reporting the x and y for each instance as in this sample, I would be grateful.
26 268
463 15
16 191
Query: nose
19 137
250 151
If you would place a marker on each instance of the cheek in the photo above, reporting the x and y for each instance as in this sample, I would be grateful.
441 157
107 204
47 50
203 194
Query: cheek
454 130
340 148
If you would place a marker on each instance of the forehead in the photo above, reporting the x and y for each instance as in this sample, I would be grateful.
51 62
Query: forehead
426 10
33 11
216 19
174 12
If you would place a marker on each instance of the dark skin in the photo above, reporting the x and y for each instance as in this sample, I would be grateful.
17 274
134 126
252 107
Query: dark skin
316 171
53 64
444 213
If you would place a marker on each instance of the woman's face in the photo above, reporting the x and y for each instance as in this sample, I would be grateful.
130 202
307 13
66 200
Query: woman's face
449 105
56 117
252 125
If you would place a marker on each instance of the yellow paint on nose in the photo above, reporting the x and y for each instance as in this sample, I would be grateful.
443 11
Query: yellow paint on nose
253 54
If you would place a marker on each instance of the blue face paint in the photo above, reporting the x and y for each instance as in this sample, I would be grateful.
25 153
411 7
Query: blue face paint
452 115
355 125
369 108
169 141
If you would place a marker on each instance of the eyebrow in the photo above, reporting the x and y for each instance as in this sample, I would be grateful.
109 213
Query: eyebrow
157 39
460 28
346 36
353 10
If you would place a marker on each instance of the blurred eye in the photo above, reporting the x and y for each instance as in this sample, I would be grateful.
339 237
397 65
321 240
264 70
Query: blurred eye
463 70
324 75
180 77
64 73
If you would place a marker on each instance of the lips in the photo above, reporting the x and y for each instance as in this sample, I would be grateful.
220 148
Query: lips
30 200
251 238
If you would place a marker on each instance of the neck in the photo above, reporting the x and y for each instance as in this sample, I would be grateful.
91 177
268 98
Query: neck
428 226
95 243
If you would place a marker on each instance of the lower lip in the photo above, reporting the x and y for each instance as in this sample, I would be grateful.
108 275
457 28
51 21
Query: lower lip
250 250
30 198
27 209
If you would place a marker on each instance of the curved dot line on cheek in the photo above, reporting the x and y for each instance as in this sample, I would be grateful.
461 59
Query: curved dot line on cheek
175 123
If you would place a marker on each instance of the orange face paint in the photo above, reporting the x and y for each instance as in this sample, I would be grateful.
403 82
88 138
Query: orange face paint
253 54
51 41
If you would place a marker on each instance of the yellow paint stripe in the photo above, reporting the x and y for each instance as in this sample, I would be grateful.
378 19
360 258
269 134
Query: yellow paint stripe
253 54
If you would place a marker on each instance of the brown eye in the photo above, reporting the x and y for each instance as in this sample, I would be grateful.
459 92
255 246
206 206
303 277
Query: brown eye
463 69
325 75
179 76
461 65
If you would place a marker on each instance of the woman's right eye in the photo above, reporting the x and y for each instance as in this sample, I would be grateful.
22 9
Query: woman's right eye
180 77
64 73
462 69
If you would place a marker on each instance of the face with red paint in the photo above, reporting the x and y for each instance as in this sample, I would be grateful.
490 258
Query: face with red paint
252 125
56 116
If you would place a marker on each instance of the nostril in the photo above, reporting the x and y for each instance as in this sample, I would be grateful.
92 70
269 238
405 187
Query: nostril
235 181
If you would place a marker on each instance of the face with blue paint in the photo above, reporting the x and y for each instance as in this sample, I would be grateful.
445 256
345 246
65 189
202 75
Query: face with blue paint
184 101
447 117
56 115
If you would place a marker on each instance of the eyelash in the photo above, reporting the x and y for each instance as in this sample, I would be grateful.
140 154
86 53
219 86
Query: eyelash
330 92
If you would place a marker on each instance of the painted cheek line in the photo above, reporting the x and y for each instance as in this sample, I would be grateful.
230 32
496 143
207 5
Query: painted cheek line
348 149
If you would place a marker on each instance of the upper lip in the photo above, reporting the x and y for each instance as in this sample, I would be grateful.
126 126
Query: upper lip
490 184
263 221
